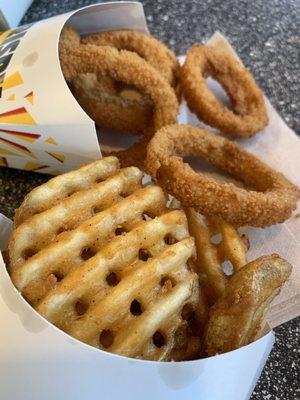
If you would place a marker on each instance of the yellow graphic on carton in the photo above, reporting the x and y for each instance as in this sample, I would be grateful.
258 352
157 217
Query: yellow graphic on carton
17 116
51 140
11 97
18 147
28 137
8 153
12 80
31 166
57 156
29 97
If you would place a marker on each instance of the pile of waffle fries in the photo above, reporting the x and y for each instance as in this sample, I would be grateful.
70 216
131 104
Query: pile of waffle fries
107 261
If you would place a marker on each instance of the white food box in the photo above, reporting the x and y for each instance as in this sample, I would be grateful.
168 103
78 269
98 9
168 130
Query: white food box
37 360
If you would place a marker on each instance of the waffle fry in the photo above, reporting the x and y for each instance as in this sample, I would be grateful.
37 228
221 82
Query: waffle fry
109 264
60 187
231 248
238 316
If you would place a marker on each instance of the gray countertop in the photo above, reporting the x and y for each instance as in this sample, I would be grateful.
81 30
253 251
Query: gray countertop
265 35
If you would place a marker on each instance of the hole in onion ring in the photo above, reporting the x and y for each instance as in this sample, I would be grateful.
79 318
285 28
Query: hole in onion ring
219 93
109 138
201 165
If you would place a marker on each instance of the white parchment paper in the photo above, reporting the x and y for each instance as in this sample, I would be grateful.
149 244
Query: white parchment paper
278 146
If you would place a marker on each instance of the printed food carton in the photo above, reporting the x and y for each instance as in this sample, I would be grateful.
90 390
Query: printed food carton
42 128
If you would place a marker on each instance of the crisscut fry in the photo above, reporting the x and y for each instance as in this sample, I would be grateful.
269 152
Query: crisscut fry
211 256
109 264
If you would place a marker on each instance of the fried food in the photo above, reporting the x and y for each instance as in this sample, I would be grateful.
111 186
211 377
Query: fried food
231 247
62 186
110 109
113 104
129 68
102 101
249 113
146 46
237 318
272 197
69 37
91 252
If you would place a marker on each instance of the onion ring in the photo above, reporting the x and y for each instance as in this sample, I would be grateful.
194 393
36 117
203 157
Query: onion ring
101 101
271 201
108 109
127 67
131 115
69 37
249 112
155 52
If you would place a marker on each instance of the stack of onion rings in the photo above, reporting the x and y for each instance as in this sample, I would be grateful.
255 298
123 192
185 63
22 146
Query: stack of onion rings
153 51
131 69
108 108
271 201
249 112
106 100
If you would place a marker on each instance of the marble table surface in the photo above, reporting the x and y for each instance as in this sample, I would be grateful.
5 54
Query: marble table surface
265 34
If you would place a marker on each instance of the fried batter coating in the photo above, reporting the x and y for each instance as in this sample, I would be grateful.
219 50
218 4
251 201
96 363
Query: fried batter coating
155 52
127 67
249 113
272 197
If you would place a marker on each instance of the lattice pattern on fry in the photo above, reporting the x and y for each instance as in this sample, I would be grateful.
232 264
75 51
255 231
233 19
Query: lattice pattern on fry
70 213
60 187
118 277
218 243
212 255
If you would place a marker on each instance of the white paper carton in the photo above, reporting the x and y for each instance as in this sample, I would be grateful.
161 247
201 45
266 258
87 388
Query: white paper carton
37 360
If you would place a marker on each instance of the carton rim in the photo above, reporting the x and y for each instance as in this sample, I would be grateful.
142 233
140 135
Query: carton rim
107 353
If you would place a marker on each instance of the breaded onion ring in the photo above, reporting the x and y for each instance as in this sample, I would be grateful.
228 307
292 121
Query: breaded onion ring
69 37
114 110
238 316
270 201
249 113
110 110
155 52
131 69
102 102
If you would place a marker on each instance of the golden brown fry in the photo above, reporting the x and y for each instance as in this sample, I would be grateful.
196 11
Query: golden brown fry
272 197
249 113
86 257
208 260
237 317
